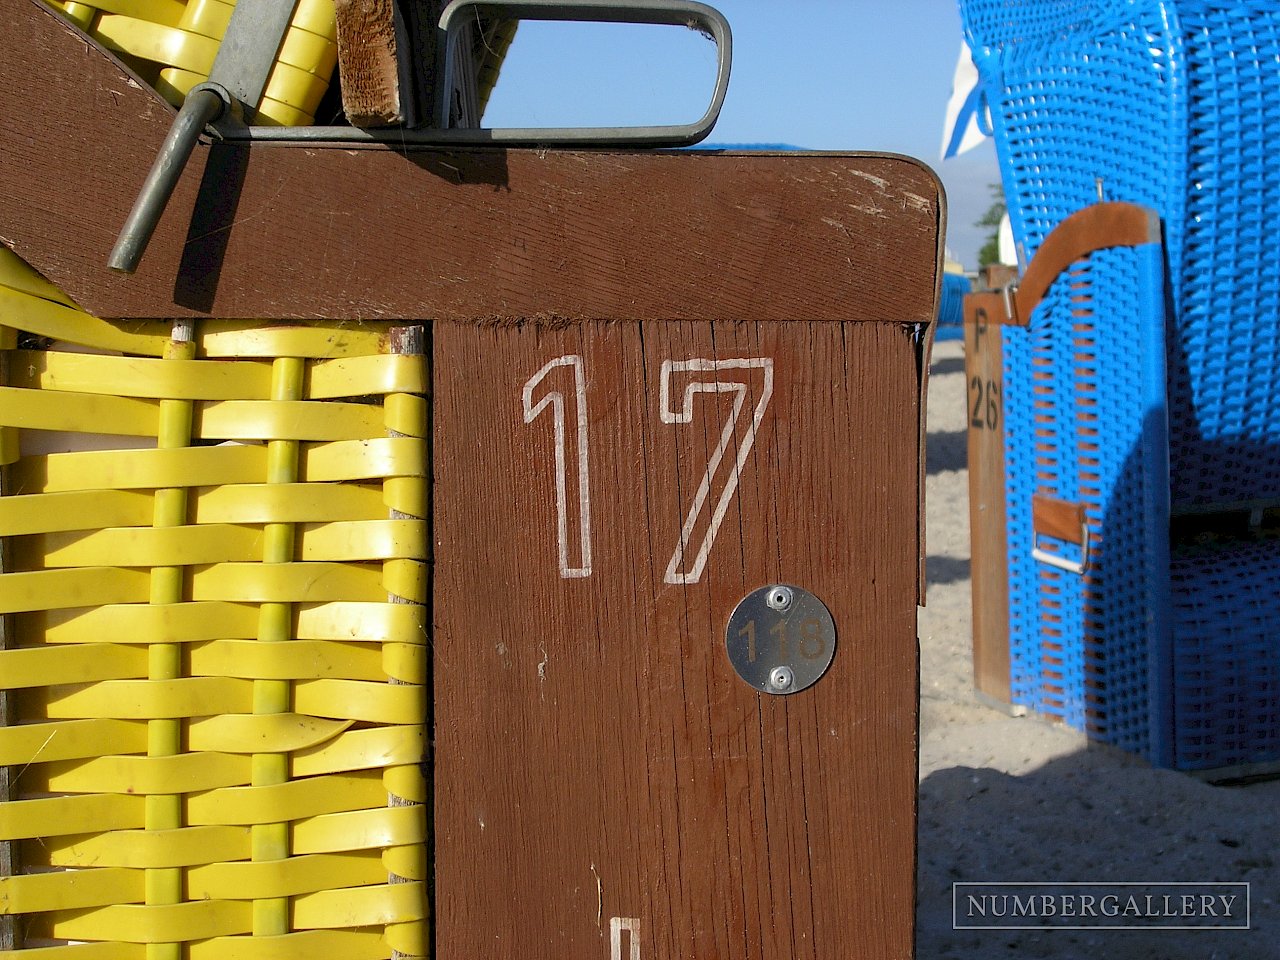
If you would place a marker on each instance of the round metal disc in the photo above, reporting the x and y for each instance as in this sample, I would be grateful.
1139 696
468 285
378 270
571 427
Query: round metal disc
780 639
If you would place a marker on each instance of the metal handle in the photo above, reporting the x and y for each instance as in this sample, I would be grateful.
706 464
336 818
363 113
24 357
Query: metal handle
1062 563
669 12
204 104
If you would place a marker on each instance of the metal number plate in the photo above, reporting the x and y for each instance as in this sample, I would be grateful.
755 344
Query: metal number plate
780 639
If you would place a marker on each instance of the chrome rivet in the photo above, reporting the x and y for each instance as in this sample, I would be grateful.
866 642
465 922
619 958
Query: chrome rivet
781 678
779 598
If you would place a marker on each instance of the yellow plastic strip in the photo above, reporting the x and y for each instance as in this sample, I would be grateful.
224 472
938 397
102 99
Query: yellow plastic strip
247 880
300 52
296 660
153 699
286 582
82 951
19 276
142 623
287 503
360 830
370 540
366 622
40 513
211 17
140 469
356 700
70 890
159 546
69 740
363 376
407 495
360 906
408 861
406 413
46 666
151 849
306 945
282 420
180 773
364 459
406 579
48 319
250 733
241 338
165 923
9 446
174 379
78 412
361 750
292 800
408 939
406 782
167 12
82 587
406 662
64 816
275 625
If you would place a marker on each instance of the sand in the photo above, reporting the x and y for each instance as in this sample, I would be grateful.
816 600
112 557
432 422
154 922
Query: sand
1005 798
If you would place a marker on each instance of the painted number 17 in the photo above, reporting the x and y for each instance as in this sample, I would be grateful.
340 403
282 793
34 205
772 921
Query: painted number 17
561 388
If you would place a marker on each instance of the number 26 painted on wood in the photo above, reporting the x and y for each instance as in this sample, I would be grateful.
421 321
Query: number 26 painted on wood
715 491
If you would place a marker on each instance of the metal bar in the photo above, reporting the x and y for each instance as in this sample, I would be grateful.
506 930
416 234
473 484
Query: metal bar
668 12
239 74
248 50
202 106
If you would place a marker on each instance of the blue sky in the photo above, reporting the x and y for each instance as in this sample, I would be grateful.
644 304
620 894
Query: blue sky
819 74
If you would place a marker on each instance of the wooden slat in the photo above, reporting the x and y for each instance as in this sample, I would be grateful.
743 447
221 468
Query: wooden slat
1058 518
369 63
1091 228
984 375
597 757
381 233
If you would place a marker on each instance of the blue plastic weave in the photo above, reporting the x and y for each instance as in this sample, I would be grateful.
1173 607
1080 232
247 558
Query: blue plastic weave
1084 422
1173 106
1225 656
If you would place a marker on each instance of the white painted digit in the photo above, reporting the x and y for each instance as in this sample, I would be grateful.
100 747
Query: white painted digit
679 569
616 926
555 399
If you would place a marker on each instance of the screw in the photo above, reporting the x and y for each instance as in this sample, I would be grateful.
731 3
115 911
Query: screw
779 598
781 678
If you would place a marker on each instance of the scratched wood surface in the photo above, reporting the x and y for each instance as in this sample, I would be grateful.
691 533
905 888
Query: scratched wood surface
601 771
984 374
605 785
377 233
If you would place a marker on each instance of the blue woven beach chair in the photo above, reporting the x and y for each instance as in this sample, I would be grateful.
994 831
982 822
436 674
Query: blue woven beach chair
1142 394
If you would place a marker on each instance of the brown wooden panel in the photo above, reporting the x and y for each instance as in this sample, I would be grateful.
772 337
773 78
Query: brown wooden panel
1058 518
596 755
369 233
984 374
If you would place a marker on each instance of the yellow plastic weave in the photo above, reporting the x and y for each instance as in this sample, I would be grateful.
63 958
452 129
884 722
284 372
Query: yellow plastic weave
213 598
171 44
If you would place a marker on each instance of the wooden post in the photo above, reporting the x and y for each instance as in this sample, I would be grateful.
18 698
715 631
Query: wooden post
984 375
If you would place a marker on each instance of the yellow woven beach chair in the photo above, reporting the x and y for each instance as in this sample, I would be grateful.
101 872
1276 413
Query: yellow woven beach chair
214 649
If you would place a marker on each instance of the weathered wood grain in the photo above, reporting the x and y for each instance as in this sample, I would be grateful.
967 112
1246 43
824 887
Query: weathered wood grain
984 374
381 233
597 757
369 62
